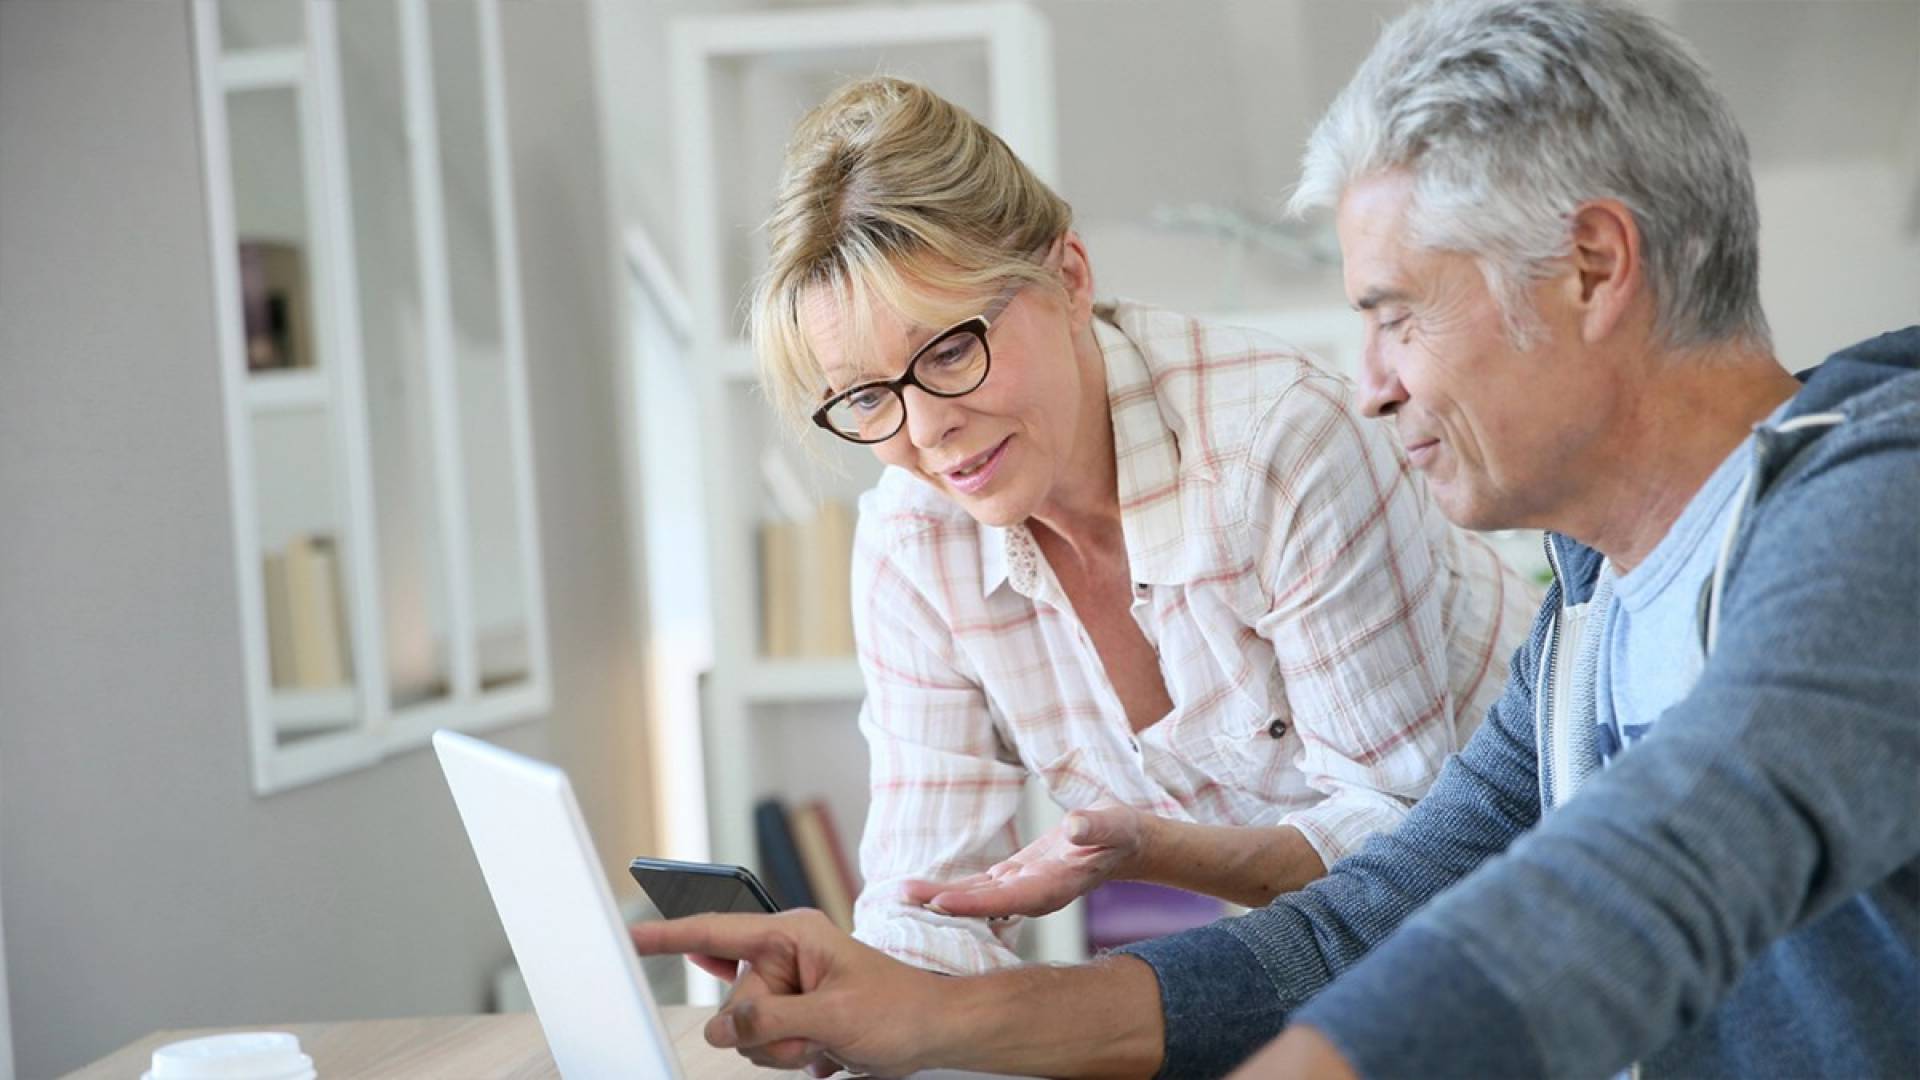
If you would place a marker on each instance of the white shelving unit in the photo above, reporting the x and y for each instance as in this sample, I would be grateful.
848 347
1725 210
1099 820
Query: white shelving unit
773 681
787 727
369 142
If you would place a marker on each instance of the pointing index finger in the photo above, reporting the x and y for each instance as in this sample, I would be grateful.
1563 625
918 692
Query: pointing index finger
735 937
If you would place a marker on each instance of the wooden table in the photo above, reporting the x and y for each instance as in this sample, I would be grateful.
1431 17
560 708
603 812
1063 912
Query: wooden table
508 1046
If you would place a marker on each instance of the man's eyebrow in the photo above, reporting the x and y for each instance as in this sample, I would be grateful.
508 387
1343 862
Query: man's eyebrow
1373 298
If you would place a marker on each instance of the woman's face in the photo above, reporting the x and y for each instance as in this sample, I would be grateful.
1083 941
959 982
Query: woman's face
1002 450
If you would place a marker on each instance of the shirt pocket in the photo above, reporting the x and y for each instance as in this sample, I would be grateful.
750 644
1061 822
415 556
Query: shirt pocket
1073 777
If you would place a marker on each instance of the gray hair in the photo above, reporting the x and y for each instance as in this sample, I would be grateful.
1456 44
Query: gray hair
1511 113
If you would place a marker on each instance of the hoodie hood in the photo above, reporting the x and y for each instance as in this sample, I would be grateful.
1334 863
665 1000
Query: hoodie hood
1859 380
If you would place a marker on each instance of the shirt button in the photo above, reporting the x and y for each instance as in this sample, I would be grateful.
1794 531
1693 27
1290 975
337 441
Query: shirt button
1278 728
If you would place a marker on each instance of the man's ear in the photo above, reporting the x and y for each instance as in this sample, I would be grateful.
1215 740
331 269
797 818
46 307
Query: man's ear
1076 274
1608 276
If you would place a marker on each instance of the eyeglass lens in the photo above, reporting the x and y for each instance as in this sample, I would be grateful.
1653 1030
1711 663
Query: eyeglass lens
952 364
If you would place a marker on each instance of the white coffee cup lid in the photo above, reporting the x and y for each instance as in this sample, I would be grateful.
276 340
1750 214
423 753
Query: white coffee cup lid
248 1055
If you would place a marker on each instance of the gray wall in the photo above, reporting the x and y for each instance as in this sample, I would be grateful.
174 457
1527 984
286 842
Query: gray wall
146 887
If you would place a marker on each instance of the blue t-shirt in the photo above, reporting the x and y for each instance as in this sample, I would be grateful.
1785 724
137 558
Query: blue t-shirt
1650 652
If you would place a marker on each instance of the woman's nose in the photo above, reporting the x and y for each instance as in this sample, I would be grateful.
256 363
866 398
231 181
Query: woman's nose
930 417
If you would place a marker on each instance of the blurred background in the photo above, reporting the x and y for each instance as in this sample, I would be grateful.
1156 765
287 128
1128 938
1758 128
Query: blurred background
370 366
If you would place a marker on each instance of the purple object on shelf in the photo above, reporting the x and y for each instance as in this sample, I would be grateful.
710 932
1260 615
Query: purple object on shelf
1123 912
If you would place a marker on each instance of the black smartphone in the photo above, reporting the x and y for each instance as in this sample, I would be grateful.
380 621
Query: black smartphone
691 888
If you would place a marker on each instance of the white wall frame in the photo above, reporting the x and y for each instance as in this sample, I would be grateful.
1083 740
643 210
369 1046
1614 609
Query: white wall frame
312 759
261 69
349 381
338 388
1017 44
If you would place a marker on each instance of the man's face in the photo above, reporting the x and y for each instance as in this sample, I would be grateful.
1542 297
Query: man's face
1497 432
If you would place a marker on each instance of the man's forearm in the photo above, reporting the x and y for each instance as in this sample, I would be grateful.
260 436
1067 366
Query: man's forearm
1090 1020
1247 865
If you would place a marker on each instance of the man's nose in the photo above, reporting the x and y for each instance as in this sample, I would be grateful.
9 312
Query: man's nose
930 417
1380 392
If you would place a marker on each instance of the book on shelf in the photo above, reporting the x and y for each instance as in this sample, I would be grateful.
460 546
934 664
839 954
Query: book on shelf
273 304
784 875
826 555
306 627
779 588
844 866
806 582
273 587
824 863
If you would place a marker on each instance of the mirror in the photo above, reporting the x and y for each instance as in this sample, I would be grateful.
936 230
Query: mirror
393 331
495 554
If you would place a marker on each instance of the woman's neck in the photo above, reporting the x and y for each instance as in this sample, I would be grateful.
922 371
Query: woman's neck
1083 509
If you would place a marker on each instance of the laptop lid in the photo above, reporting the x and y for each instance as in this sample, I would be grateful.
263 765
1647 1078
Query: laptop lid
560 918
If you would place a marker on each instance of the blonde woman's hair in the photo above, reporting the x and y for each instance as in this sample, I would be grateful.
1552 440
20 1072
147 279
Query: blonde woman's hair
892 194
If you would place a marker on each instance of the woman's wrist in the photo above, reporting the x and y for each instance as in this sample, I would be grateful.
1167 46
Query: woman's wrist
1248 865
1147 862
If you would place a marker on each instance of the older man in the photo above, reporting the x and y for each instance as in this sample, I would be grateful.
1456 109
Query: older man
1687 835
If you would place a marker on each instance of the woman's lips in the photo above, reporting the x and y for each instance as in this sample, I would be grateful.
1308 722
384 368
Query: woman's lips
1421 454
971 483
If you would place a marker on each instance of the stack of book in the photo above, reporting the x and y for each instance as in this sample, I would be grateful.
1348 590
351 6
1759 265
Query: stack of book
307 643
804 862
806 581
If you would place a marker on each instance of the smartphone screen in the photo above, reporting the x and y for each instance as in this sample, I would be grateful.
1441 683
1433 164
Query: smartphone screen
679 889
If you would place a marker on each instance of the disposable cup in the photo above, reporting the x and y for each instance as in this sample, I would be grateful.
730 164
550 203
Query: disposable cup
247 1055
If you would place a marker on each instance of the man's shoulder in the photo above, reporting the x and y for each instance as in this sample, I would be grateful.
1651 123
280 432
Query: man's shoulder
1870 377
1859 411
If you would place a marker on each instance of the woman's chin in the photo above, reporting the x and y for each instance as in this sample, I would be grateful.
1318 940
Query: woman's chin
993 509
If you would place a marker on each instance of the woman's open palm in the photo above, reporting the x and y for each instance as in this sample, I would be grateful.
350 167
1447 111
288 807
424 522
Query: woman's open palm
1088 847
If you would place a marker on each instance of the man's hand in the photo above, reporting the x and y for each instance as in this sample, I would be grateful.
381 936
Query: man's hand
805 994
1088 848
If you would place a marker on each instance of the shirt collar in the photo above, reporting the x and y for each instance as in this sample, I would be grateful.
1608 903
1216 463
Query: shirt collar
1146 454
1148 468
993 558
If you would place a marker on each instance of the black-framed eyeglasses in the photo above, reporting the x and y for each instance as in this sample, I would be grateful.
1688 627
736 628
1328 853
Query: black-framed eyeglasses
952 364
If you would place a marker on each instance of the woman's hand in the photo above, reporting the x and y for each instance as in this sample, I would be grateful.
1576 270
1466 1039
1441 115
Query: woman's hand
1088 847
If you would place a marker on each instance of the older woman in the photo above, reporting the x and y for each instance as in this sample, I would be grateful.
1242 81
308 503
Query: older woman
1159 564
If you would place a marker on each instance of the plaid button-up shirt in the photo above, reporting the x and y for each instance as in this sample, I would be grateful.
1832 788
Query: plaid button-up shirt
1326 636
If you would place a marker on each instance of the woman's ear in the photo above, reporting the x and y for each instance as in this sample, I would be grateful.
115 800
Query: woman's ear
1076 275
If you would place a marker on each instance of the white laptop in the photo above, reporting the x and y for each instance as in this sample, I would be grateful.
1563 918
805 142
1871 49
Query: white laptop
573 948
560 917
